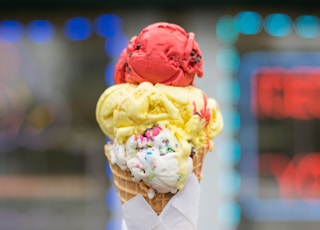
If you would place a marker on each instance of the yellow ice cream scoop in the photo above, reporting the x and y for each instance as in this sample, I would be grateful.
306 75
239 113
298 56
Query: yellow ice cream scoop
127 109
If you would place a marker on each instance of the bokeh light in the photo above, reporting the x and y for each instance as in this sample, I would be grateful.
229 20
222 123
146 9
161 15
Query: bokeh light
109 73
229 152
115 44
112 200
278 25
11 31
114 223
248 22
108 172
226 31
231 120
229 183
228 91
77 29
229 214
108 25
40 31
114 206
308 26
228 59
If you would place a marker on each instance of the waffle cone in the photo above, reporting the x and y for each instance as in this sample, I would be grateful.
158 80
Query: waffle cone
127 188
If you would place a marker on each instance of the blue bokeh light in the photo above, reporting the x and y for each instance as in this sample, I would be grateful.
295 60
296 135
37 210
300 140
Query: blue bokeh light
278 25
40 31
231 120
109 74
77 29
248 22
307 26
228 59
228 91
229 152
229 214
115 45
226 31
229 183
114 223
112 200
11 31
109 172
108 25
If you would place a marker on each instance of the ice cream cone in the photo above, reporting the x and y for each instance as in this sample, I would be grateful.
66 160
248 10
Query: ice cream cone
127 188
158 119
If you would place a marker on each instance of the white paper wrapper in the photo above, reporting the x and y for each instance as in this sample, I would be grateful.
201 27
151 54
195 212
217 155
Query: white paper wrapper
181 212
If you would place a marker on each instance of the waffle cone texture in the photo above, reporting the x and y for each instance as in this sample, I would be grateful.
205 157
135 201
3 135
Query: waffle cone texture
127 188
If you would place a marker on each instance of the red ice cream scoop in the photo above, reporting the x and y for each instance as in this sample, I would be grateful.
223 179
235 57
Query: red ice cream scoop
161 53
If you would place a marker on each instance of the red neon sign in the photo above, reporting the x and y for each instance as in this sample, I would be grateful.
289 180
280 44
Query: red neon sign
298 178
286 93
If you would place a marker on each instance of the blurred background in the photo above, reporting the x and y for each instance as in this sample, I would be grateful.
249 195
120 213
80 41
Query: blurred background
261 63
